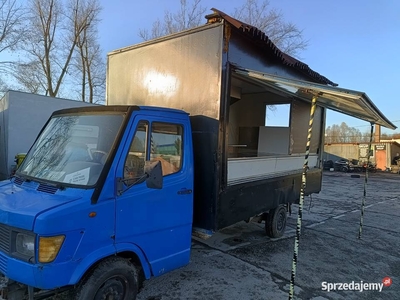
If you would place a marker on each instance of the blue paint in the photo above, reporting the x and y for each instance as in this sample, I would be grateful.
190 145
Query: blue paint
153 225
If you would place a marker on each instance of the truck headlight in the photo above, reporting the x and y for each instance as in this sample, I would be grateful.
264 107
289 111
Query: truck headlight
25 244
49 248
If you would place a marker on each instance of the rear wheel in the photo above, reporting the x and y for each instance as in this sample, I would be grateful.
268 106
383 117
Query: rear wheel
115 278
275 222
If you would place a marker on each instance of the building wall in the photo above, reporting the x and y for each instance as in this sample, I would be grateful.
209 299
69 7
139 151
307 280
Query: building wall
22 117
353 151
338 151
394 149
300 118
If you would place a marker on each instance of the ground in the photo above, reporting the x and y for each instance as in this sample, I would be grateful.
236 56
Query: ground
240 262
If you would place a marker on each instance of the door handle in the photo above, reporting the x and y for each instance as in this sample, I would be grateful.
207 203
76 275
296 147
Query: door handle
184 192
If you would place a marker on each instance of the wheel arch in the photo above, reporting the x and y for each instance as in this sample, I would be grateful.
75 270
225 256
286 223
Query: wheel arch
128 251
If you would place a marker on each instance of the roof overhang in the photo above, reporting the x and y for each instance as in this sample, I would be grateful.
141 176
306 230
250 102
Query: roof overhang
349 102
268 48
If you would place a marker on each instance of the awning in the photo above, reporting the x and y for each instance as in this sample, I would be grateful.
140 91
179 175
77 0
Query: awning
349 102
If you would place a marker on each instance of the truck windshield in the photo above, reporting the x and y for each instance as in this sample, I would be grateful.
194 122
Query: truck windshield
72 149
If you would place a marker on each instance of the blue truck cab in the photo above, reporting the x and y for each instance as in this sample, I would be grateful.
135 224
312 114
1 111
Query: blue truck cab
103 199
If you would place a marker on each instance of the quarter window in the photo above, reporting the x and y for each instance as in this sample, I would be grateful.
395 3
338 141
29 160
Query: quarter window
134 163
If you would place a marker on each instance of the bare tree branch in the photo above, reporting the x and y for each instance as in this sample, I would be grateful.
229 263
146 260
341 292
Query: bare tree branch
188 16
59 33
12 32
285 35
28 75
11 21
90 63
344 134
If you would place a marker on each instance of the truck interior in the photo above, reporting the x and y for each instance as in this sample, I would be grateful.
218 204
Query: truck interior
259 147
165 146
267 132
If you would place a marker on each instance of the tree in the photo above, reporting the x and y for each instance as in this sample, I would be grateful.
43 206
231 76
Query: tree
89 62
12 30
284 35
344 134
3 87
393 136
55 31
29 76
366 135
187 17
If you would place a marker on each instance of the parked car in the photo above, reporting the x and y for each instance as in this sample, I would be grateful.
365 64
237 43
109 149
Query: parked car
328 164
343 165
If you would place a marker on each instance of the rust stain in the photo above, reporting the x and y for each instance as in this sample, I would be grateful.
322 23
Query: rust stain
227 37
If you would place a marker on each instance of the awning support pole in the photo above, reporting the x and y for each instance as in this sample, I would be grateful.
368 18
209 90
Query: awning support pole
301 202
365 182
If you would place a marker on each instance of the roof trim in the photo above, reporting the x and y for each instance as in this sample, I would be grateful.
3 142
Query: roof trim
262 39
350 102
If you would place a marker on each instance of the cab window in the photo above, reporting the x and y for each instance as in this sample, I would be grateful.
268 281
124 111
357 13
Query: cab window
134 163
166 146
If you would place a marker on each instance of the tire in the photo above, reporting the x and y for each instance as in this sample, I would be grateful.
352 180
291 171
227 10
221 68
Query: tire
275 222
114 278
344 169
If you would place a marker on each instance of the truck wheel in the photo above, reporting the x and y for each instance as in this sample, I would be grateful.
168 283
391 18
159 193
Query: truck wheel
275 222
115 278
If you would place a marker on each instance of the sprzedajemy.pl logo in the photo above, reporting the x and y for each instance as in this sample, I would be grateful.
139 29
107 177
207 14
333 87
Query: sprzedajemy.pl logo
356 286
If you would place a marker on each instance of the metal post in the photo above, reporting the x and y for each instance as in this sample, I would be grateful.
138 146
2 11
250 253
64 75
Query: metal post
301 203
365 182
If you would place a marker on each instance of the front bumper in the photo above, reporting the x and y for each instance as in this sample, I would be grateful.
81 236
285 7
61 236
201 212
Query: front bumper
42 276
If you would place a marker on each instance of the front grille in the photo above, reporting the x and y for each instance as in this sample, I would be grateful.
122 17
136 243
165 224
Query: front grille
41 187
3 264
18 180
50 189
5 238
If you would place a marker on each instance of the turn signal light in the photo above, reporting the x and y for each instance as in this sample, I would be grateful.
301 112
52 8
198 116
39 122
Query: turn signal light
49 248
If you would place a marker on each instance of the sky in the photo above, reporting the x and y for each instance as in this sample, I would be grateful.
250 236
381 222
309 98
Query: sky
353 43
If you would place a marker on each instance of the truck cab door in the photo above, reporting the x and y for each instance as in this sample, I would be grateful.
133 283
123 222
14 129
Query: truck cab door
158 221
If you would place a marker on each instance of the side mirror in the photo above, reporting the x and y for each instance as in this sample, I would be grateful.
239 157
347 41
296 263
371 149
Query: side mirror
154 178
152 175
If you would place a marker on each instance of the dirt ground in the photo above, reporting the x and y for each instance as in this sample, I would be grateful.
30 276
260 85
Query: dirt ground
240 262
